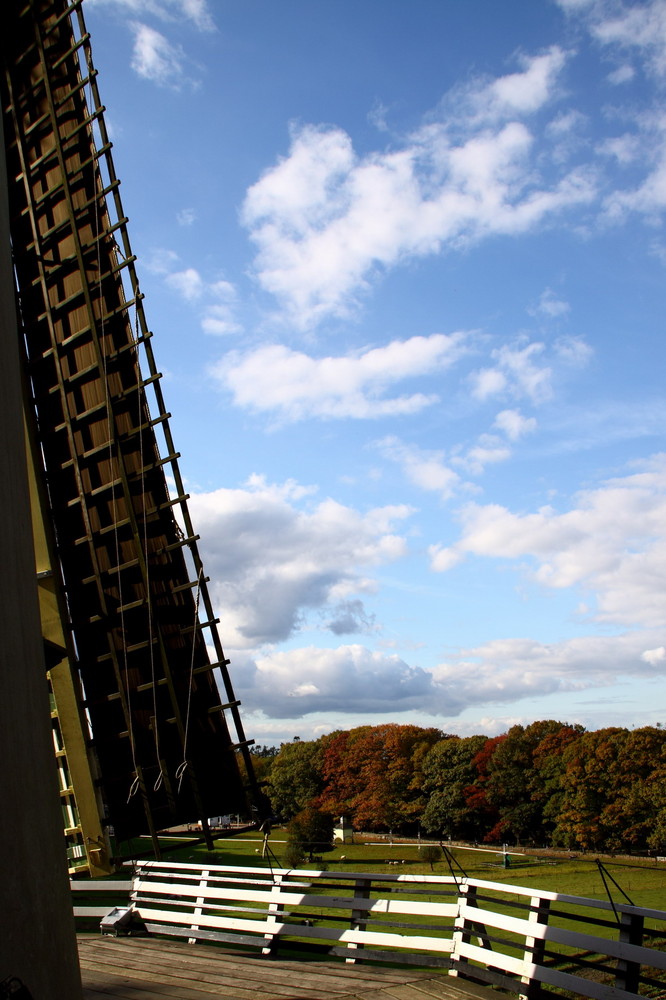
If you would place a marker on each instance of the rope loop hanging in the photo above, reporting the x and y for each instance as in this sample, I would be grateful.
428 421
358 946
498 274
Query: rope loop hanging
180 773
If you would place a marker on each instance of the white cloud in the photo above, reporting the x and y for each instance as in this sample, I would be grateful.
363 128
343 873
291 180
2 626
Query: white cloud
220 317
654 656
640 31
514 424
516 372
565 123
550 305
488 382
187 283
350 678
155 58
426 469
218 299
275 556
613 543
161 261
641 27
649 197
529 378
488 451
625 149
324 219
623 74
186 217
195 11
505 670
355 680
526 92
295 386
574 351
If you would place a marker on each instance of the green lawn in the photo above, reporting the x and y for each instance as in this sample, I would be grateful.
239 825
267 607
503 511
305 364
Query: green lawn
642 880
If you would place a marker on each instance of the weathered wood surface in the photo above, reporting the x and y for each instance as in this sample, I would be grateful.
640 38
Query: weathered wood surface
150 969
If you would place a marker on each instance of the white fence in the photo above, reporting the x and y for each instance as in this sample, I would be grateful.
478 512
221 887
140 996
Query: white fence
532 942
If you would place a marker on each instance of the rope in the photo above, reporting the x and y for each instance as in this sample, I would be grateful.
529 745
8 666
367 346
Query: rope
451 860
180 773
604 872
134 787
149 605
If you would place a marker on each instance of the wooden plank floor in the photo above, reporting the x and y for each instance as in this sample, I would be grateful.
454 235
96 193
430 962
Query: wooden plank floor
150 969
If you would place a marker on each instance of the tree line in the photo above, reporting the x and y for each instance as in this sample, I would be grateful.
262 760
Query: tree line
549 784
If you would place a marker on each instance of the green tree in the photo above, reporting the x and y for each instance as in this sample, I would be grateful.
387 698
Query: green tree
448 770
512 775
295 778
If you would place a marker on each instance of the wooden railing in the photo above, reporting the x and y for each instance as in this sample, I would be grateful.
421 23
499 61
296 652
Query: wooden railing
528 941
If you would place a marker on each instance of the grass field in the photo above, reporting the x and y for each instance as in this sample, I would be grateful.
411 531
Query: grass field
643 880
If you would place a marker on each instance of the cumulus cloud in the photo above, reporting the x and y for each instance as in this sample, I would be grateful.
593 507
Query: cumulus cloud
487 451
217 299
188 283
612 543
353 679
294 386
516 371
505 670
154 58
425 469
219 318
514 424
276 556
524 92
325 219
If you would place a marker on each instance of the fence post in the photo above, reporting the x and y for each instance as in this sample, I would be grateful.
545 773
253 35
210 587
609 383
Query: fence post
198 906
535 947
357 919
466 894
628 974
274 909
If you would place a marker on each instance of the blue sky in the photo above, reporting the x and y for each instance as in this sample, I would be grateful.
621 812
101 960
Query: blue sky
405 266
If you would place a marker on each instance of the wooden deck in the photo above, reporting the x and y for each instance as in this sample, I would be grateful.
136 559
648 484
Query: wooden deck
152 969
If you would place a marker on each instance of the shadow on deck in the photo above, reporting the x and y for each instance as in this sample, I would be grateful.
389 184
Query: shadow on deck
157 969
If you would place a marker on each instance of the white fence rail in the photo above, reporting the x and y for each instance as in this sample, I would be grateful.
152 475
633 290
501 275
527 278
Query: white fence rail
532 942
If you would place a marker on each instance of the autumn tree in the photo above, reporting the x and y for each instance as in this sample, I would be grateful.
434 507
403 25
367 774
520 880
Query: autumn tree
545 782
634 809
311 830
476 794
374 775
588 783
